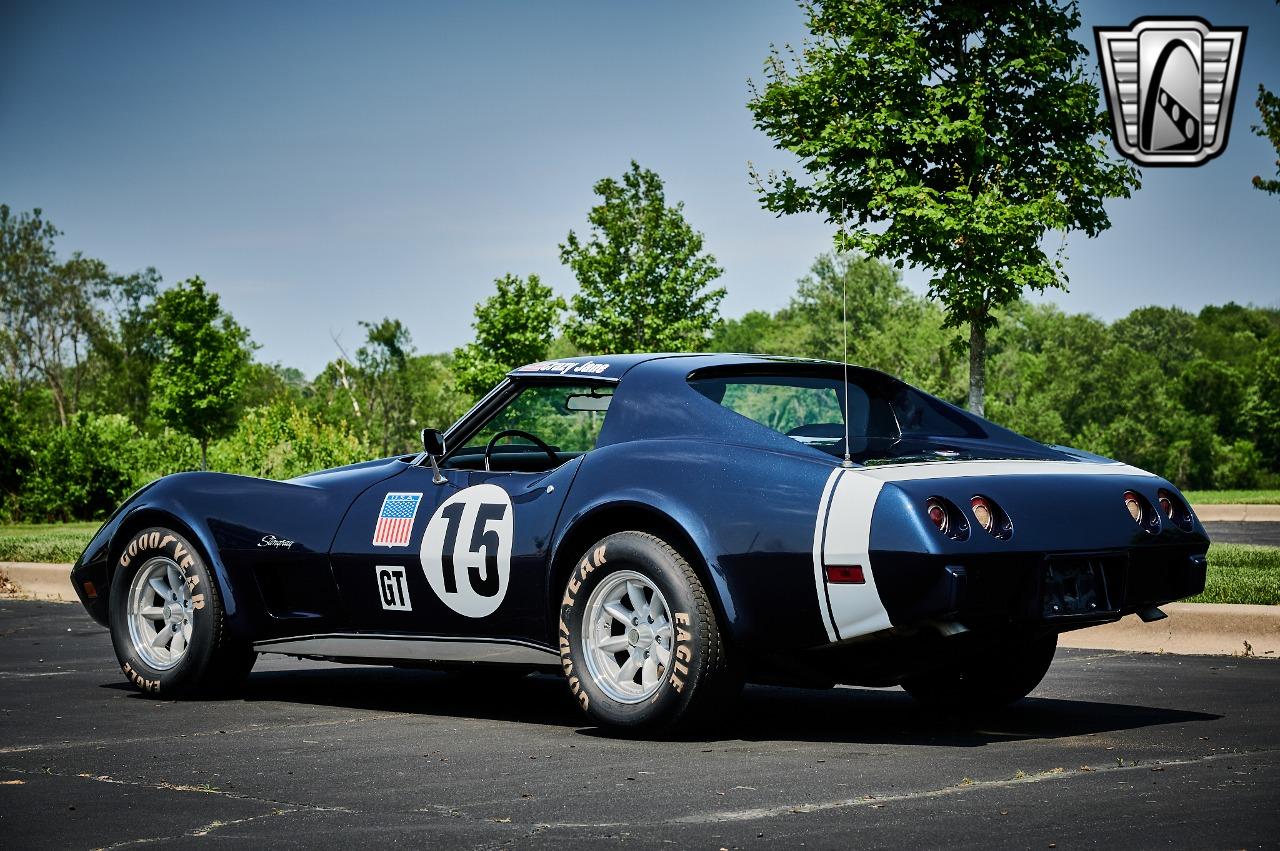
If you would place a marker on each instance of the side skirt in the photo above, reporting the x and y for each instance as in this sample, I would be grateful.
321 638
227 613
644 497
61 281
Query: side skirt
412 648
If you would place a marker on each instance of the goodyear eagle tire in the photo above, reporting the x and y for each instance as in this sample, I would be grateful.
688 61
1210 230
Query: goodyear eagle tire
995 677
168 625
639 642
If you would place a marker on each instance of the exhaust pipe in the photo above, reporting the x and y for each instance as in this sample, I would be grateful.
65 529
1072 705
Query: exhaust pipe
1152 614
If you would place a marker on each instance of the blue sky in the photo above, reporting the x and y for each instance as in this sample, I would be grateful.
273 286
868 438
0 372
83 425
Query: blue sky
320 164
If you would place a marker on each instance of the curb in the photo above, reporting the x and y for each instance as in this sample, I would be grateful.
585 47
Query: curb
1201 629
35 581
1192 628
1237 513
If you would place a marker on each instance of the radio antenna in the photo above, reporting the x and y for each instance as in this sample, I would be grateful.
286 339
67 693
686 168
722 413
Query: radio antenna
844 327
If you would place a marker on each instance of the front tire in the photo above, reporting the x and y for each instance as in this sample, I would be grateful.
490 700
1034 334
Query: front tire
639 641
991 678
168 625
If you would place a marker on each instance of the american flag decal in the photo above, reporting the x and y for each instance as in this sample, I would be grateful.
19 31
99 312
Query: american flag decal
395 520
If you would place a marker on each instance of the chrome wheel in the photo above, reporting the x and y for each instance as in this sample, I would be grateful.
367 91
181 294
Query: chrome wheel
160 613
627 636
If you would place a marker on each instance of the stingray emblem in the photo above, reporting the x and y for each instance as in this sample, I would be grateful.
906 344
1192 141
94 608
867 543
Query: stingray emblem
1171 85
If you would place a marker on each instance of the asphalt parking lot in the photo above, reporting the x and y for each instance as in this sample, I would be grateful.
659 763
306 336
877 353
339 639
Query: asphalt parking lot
1113 748
1232 532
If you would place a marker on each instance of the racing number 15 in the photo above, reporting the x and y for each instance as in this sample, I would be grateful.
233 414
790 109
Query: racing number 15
487 513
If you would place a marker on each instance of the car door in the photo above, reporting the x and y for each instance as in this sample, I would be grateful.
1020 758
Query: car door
466 557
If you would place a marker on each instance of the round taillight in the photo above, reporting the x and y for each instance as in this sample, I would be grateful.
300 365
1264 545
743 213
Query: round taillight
1175 510
982 513
938 515
1134 503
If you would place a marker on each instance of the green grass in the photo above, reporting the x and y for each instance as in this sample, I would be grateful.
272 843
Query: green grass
56 543
1269 496
1238 573
1242 573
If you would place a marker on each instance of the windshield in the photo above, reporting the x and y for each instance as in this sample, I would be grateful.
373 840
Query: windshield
888 420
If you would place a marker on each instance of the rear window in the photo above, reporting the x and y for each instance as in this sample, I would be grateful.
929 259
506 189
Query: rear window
810 409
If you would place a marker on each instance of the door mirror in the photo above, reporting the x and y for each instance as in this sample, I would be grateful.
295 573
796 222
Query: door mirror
433 445
432 441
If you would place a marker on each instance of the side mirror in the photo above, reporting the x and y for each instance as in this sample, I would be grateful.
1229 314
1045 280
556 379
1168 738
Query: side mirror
432 441
433 445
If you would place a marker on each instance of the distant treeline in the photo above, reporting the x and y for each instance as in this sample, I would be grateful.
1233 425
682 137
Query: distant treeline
98 395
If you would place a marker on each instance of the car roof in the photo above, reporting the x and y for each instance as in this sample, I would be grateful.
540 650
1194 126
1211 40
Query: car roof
613 367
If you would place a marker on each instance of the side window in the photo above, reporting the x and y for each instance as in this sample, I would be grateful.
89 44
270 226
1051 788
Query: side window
567 418
808 410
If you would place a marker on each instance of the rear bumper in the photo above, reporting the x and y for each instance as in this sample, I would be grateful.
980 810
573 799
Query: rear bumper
1010 590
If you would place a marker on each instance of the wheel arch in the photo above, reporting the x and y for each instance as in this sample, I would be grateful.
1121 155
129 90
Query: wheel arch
630 516
148 516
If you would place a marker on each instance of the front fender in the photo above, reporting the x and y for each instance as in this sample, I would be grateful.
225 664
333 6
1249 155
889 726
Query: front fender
228 517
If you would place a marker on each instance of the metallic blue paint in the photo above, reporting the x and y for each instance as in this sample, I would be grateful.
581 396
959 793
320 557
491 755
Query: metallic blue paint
743 498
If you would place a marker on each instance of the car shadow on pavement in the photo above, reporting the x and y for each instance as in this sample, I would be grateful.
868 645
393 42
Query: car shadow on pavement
762 713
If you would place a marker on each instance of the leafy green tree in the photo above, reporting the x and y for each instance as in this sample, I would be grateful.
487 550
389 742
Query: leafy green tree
197 382
282 441
644 279
84 470
383 375
1262 408
756 332
1165 333
48 313
437 401
1215 390
16 453
948 135
1269 108
124 347
513 327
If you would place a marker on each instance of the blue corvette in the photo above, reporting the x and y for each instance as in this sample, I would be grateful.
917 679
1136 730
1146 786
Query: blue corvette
660 529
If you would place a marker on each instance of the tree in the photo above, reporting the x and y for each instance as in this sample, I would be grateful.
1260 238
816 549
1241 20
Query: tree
383 374
198 379
48 308
1269 108
514 326
645 281
947 135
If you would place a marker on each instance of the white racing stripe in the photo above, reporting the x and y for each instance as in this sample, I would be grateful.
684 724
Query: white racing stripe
819 538
965 469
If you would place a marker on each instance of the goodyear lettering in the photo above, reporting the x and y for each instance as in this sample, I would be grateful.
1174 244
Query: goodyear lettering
574 585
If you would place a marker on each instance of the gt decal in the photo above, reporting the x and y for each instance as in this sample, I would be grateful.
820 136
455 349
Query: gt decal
393 588
466 550
592 561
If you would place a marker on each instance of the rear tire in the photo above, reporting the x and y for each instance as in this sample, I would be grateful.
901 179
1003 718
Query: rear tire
168 625
639 641
989 679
